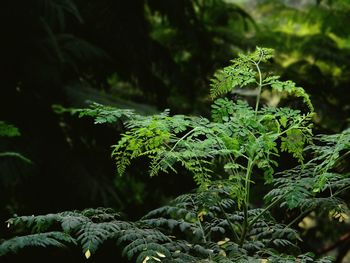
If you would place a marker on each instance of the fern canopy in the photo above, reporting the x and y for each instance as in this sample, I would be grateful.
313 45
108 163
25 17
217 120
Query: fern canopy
226 155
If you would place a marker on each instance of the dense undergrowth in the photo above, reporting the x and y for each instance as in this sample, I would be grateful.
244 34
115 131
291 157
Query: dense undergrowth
230 156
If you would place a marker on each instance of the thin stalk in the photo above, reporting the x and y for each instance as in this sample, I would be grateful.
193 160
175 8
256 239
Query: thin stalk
266 209
184 137
309 210
245 225
303 214
200 224
202 230
341 190
229 222
259 88
246 202
181 139
16 155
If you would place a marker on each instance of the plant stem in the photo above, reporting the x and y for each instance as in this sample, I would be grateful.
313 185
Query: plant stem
181 139
246 202
341 190
245 226
202 230
229 222
251 223
200 224
303 214
259 87
16 155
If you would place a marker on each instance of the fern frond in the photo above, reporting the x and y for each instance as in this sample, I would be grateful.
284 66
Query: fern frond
92 235
90 227
290 88
16 155
229 78
54 239
100 113
330 151
55 12
241 73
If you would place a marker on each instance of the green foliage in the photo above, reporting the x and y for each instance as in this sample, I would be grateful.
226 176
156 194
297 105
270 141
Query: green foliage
101 114
300 186
245 70
241 73
331 151
227 79
54 239
241 146
193 227
294 143
289 88
89 228
238 132
312 48
8 130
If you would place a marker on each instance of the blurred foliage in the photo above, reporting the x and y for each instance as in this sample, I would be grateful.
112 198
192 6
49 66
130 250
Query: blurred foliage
313 48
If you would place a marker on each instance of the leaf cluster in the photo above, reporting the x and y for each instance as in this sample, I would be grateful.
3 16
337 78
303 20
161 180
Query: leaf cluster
198 227
239 146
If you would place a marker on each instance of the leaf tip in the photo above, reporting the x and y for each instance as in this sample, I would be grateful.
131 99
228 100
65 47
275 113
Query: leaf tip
87 254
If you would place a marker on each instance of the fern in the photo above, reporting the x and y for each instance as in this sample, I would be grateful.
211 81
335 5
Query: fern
55 12
300 185
246 70
101 114
54 239
241 73
290 88
9 130
214 218
225 156
161 140
92 235
330 150
89 227
196 144
194 227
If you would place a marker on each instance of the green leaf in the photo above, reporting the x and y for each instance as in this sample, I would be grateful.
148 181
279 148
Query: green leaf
293 143
290 88
8 130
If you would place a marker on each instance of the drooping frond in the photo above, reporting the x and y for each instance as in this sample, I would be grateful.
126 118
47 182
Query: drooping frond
54 239
90 227
241 73
246 71
301 185
332 151
9 130
55 12
289 87
100 113
198 227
